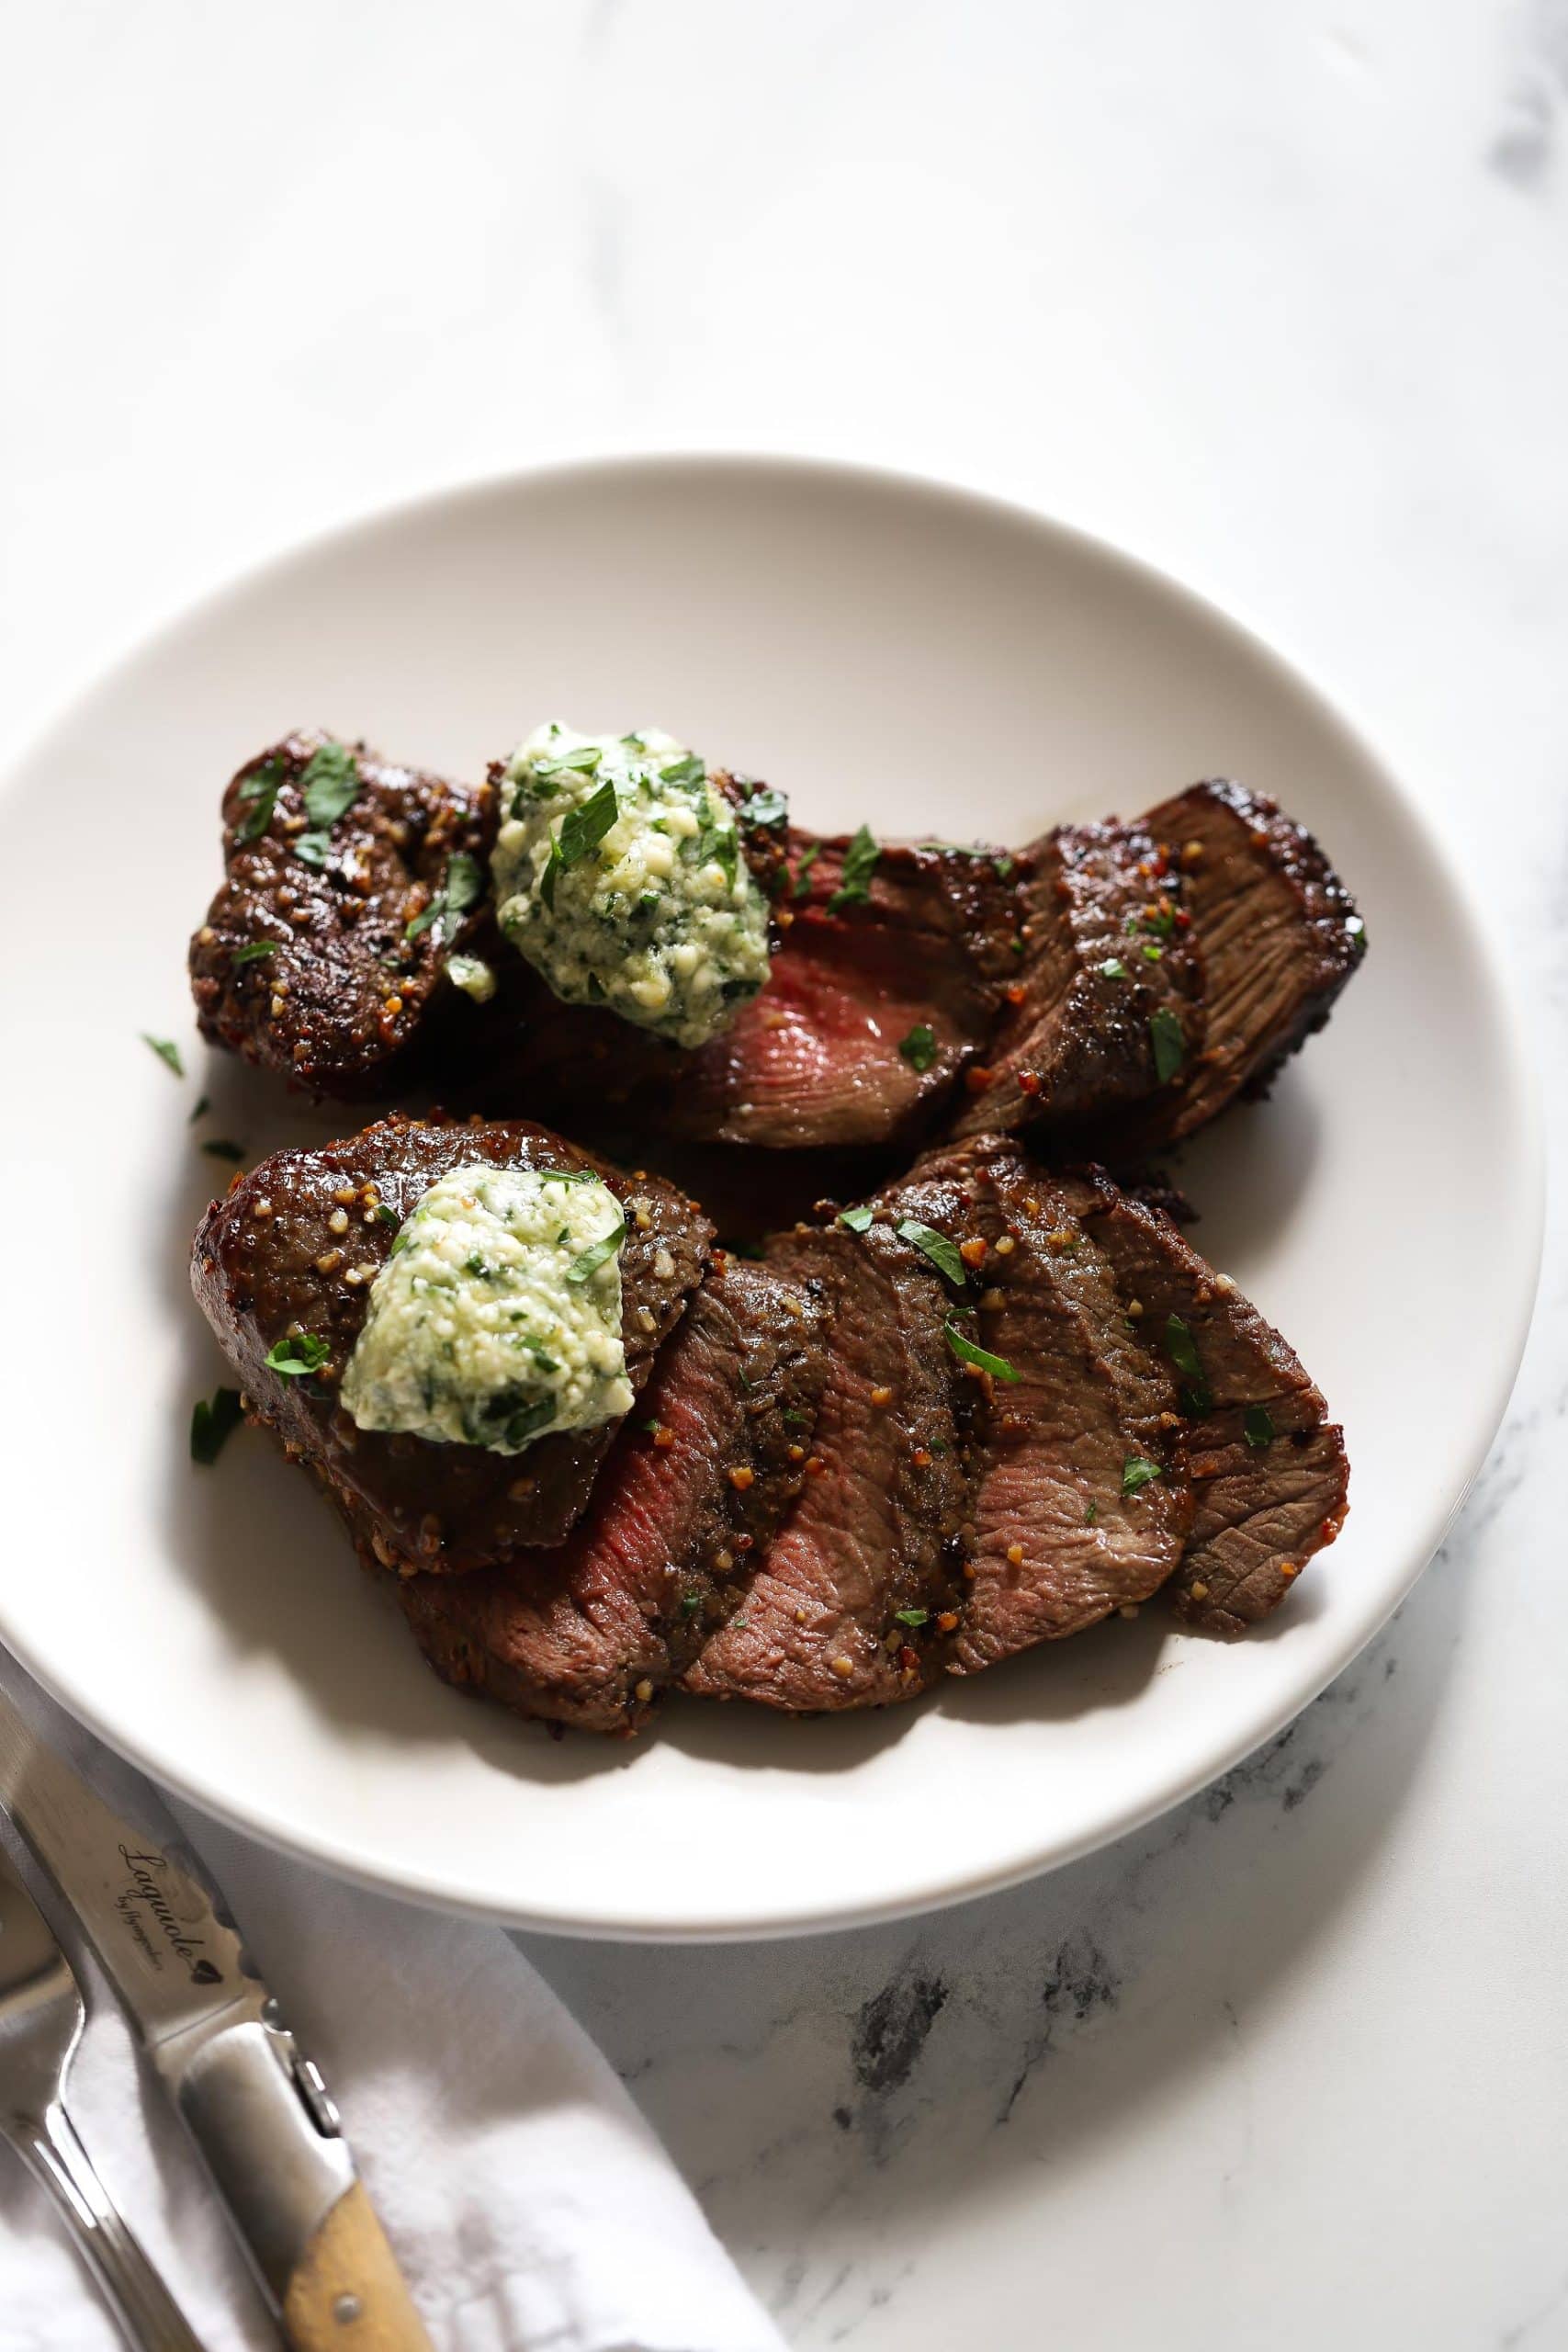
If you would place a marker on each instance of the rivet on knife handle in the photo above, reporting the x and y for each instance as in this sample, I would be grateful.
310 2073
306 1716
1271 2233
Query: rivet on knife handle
347 2294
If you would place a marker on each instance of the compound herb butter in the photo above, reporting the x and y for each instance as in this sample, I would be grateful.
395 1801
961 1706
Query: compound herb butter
619 875
497 1318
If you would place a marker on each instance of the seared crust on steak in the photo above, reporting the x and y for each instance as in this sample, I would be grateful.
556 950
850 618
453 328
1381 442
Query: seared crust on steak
1052 1540
871 1532
1108 948
343 996
591 1633
1263 1504
1278 935
268 1261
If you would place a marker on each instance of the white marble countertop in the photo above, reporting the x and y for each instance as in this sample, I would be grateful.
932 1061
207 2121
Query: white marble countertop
1275 296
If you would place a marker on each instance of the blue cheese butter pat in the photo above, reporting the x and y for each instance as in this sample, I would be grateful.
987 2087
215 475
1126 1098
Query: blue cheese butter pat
497 1317
619 875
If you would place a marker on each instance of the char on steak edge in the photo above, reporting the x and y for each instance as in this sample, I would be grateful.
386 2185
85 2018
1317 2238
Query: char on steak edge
819 1501
1112 984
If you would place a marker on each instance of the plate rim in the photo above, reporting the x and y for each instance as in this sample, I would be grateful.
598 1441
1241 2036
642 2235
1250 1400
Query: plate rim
1518 1072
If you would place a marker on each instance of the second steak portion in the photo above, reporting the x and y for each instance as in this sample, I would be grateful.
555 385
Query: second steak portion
294 1247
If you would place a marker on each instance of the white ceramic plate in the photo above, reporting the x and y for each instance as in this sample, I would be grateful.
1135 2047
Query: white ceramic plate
887 650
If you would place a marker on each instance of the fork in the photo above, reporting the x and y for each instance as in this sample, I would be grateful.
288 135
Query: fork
40 2024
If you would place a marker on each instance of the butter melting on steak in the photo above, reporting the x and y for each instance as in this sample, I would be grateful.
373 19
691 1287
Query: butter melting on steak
694 1488
294 1247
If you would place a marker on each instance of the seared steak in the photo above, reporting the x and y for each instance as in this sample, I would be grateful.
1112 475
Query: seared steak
1278 935
1105 1000
872 1006
864 1561
304 963
275 1257
1077 1505
1269 1473
589 1632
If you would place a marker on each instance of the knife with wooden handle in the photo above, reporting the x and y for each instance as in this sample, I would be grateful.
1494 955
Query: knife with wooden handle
255 2106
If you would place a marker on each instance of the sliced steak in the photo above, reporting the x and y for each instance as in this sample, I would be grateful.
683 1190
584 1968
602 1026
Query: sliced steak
1105 1001
1278 935
304 963
1076 1504
268 1262
587 1633
866 1557
1269 1473
872 1007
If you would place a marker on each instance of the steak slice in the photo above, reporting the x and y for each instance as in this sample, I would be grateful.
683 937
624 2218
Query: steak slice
1055 1537
872 1008
1269 1472
1278 935
268 1262
587 1632
304 964
1108 961
870 1534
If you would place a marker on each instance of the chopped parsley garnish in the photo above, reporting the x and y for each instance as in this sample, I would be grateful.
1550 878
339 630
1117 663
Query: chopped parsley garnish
1137 1472
596 1254
1091 1513
803 866
296 1358
253 950
1197 1398
1113 968
261 791
719 843
203 1104
1356 931
690 1603
918 1048
1170 1044
462 888
860 864
1153 951
329 783
567 1175
1258 1425
967 1352
856 1219
794 1421
387 1215
582 762
690 770
911 1616
582 831
219 1148
942 1252
212 1422
312 849
532 1417
766 806
168 1053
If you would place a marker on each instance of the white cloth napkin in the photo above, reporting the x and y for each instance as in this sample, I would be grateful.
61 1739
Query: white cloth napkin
531 2207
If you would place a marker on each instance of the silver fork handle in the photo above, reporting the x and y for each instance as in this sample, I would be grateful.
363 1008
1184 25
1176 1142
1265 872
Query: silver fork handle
131 2287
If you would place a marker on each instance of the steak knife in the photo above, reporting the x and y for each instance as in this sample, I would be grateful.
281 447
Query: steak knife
255 2106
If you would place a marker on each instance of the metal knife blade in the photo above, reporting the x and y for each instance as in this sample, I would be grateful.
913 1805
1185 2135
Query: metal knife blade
159 1926
255 2104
